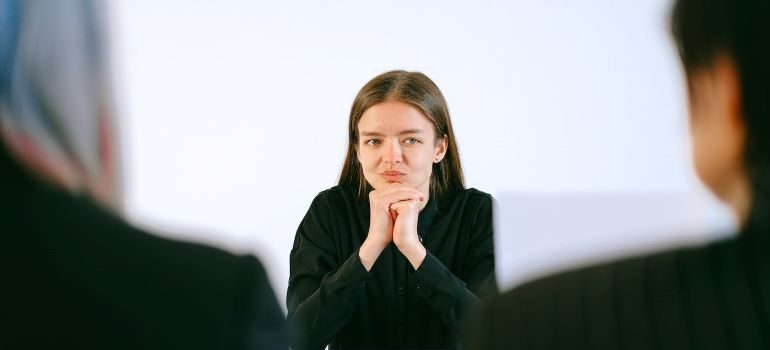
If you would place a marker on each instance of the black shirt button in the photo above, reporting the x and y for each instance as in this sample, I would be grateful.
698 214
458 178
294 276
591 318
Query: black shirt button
419 285
363 284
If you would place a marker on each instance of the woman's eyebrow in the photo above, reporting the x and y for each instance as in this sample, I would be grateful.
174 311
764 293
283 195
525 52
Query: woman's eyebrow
404 132
411 131
371 133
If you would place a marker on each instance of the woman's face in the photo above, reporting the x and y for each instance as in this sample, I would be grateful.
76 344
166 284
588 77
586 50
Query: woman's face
397 144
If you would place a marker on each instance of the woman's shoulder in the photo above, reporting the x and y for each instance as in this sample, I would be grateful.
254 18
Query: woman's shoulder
338 197
470 196
481 195
467 199
335 193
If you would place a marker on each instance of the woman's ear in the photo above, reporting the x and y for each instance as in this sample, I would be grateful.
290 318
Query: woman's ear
727 74
718 132
441 148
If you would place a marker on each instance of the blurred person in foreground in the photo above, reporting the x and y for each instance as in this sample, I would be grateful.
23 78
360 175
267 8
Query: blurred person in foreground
715 296
73 273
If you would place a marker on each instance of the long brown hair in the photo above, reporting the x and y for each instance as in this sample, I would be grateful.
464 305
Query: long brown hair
419 91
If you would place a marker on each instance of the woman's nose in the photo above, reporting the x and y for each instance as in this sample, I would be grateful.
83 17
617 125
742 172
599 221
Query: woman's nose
393 153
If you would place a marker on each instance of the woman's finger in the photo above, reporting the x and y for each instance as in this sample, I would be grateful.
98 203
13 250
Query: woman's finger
402 195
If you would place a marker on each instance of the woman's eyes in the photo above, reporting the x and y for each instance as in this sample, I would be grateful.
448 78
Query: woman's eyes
409 141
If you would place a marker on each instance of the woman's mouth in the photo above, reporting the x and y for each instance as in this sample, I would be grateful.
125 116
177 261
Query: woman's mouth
392 175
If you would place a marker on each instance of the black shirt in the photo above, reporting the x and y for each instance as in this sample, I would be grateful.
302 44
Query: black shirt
333 300
74 276
715 296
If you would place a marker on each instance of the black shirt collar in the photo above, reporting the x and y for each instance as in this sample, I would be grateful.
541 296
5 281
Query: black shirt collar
426 215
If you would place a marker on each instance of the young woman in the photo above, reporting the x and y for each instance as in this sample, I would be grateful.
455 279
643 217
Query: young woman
397 254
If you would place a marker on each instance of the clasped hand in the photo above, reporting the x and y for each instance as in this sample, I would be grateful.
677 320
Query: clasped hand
394 211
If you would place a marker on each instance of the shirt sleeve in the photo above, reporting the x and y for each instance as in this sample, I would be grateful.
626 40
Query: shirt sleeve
450 296
322 290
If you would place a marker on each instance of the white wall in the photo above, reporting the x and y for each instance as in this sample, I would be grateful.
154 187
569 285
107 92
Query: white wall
234 112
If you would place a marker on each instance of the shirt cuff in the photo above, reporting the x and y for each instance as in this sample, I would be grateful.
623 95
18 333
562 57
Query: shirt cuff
433 276
353 271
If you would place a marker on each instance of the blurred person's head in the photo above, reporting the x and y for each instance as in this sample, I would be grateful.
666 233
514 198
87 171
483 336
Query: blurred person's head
400 132
55 96
725 49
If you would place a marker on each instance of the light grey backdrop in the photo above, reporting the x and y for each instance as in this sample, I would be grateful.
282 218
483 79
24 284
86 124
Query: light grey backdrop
234 112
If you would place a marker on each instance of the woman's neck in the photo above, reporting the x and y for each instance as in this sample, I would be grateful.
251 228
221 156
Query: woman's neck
426 191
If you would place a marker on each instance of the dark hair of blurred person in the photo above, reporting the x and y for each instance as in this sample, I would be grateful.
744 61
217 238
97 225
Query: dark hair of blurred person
73 273
714 296
726 55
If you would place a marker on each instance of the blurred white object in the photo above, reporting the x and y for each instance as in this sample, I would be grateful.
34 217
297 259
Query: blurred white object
539 234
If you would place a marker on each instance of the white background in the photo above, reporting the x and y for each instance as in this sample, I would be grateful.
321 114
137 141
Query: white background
233 113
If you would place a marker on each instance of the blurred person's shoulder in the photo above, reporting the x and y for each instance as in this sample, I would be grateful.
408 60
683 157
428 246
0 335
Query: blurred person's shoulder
82 225
79 266
678 289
